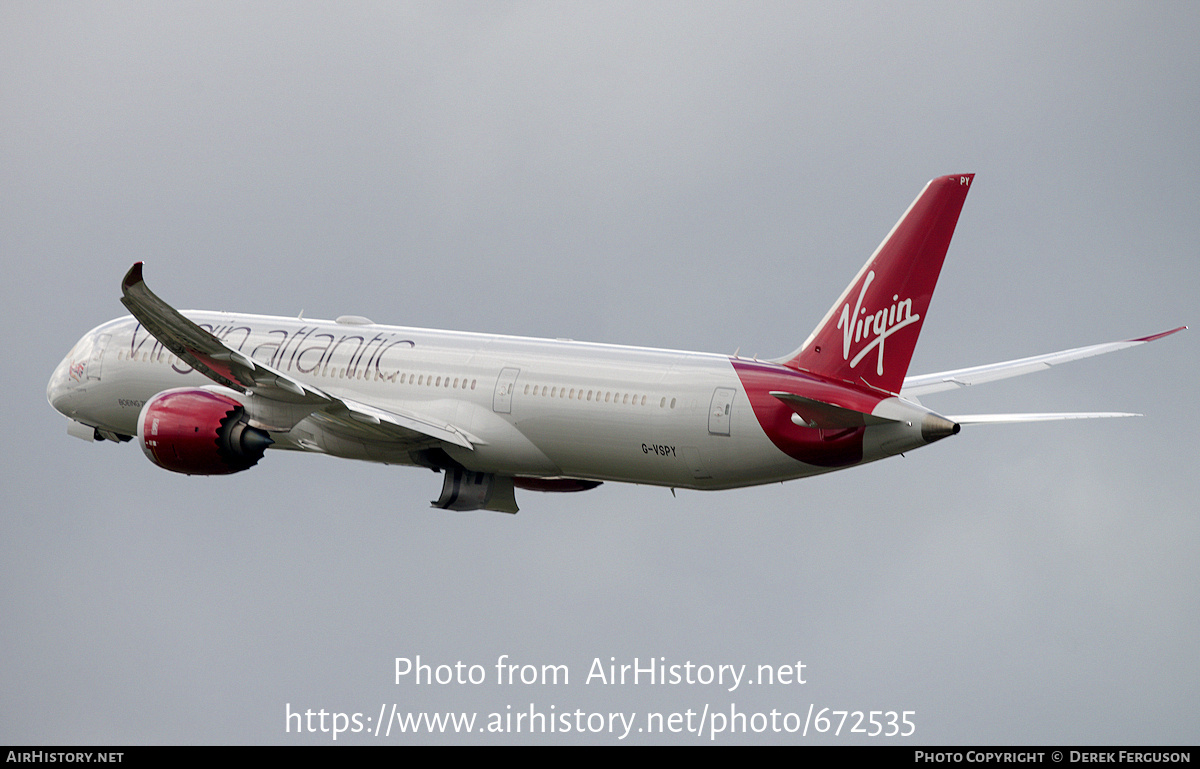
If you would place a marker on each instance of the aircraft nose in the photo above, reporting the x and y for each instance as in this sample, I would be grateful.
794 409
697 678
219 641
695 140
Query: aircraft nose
62 387
58 389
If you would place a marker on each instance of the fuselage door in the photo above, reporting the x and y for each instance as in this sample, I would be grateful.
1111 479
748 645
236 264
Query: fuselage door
97 359
718 413
502 400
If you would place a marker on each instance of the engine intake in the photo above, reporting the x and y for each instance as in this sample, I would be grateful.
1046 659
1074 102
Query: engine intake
198 432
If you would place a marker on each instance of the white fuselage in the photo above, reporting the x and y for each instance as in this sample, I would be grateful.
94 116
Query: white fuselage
533 407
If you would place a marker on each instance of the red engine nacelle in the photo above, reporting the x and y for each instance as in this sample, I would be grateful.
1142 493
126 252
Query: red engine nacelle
198 432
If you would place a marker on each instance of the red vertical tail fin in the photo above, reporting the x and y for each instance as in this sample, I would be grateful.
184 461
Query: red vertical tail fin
869 334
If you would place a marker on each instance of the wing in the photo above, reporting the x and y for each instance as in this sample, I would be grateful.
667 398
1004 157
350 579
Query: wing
965 377
226 366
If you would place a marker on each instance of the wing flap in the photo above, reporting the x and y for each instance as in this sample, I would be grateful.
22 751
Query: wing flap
442 431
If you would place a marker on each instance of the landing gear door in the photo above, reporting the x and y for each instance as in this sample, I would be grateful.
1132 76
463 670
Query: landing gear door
502 399
718 413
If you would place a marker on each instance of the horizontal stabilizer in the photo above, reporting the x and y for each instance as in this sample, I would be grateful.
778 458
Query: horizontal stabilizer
991 372
814 413
1003 419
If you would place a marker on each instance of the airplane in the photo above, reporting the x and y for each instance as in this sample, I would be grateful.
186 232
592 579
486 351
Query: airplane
207 393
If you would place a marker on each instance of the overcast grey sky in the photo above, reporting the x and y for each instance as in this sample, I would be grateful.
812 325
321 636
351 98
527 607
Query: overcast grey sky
701 176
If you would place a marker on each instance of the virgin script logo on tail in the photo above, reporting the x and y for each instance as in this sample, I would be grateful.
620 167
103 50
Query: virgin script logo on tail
859 325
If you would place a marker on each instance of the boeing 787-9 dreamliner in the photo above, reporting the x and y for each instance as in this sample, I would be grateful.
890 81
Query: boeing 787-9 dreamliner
206 393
